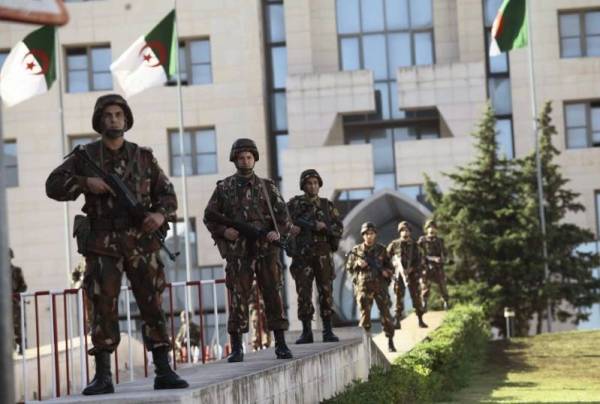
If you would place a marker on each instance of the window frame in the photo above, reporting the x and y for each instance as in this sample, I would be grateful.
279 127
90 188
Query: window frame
193 153
15 166
185 42
580 12
89 68
588 122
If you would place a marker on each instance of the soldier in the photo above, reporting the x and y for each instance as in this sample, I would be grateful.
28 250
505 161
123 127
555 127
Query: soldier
434 253
18 286
318 230
246 217
113 243
77 274
406 260
370 267
181 339
260 335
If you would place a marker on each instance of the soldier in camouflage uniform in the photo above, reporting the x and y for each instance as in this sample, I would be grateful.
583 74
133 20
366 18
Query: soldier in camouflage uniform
434 254
181 339
371 281
406 259
250 200
114 244
261 338
318 228
18 286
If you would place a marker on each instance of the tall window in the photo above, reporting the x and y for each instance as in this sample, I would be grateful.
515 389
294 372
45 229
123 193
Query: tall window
382 35
498 80
200 151
11 166
88 69
80 140
194 62
582 124
579 33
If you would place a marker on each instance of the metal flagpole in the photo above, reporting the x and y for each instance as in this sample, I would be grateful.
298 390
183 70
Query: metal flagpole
188 257
538 162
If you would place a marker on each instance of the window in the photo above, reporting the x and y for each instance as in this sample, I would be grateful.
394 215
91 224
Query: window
582 124
579 33
3 55
194 62
78 140
88 69
11 166
200 152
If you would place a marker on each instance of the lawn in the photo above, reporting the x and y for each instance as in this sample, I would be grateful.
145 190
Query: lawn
548 368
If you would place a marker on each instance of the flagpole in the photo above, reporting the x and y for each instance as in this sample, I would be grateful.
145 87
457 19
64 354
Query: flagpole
188 257
63 152
538 161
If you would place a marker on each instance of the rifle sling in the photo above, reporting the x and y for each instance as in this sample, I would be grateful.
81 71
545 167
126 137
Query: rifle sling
266 194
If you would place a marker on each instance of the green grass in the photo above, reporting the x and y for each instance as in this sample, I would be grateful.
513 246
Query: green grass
548 368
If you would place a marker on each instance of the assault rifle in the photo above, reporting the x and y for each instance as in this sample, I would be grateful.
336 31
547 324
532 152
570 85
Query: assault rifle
250 232
373 263
310 225
126 199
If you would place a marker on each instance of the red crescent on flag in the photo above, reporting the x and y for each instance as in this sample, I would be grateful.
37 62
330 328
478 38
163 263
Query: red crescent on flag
159 50
42 58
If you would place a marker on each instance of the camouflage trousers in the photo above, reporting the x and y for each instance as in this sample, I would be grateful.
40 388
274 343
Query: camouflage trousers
239 275
305 270
17 322
261 338
102 284
414 286
366 292
434 273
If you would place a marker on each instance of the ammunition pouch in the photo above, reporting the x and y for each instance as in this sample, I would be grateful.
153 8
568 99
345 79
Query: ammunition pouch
81 232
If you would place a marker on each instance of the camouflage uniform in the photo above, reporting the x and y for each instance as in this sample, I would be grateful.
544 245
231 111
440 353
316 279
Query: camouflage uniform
406 260
434 253
370 284
313 260
257 318
182 334
18 286
116 245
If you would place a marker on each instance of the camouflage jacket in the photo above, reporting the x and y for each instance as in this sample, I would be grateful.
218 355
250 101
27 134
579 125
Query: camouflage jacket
181 338
376 252
142 175
18 281
432 249
243 199
405 255
310 241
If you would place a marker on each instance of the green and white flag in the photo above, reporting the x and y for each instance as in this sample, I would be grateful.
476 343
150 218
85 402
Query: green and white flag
29 68
509 30
150 60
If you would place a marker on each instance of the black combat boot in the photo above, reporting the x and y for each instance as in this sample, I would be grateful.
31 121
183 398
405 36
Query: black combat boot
307 336
237 351
328 335
281 349
397 322
391 347
165 377
102 381
421 322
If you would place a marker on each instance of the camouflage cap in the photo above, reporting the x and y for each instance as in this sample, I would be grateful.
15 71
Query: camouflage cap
103 102
430 223
310 173
403 225
366 226
243 144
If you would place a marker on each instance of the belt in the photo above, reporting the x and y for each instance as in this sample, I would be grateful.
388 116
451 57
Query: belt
111 224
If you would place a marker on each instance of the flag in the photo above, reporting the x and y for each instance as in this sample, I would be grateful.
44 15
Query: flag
30 67
150 60
509 30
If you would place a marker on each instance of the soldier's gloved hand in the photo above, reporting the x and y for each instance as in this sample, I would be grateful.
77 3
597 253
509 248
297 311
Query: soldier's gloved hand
152 222
320 225
272 236
98 186
231 234
295 230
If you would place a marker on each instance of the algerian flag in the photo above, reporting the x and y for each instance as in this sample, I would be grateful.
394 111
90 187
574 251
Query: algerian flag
150 60
29 68
509 30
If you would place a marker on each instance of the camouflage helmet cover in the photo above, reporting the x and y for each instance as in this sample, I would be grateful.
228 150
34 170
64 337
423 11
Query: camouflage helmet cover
366 226
103 102
430 223
403 226
243 144
306 174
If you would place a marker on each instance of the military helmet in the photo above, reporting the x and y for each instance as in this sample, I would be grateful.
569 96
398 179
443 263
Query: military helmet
11 253
243 144
430 223
306 174
103 102
403 225
366 226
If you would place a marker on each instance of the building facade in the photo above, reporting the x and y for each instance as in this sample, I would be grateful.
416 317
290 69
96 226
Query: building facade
372 93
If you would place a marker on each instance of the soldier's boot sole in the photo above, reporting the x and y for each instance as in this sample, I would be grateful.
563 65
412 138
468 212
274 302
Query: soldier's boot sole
169 382
235 357
331 338
305 339
422 324
283 353
97 387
